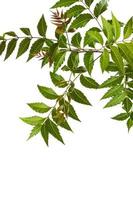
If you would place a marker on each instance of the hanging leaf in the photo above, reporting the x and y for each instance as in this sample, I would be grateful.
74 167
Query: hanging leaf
89 61
75 11
81 21
23 47
47 92
117 58
59 60
129 124
10 48
2 47
104 60
79 97
26 31
128 29
58 80
35 120
76 40
88 82
64 3
39 107
36 129
100 7
45 133
42 27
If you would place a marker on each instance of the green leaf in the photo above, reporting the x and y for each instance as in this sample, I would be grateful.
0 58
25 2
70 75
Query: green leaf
116 100
42 26
26 31
127 104
47 92
76 40
104 60
79 97
88 82
53 52
126 53
117 58
81 21
130 84
79 70
64 3
72 112
36 129
95 36
89 39
58 80
23 47
39 107
89 61
115 90
100 7
53 130
35 120
45 133
10 48
116 27
89 2
128 29
36 48
129 93
73 60
59 60
74 11
112 81
2 47
121 117
129 124
107 29
11 33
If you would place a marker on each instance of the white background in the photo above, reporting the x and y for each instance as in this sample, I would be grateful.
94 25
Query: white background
97 161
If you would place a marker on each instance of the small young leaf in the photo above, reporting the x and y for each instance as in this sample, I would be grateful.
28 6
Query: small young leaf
39 107
45 133
42 27
117 58
74 11
88 61
100 7
10 48
128 29
49 93
26 31
88 82
116 27
81 21
64 3
53 130
58 80
116 100
121 117
76 40
35 120
79 97
23 47
112 81
104 60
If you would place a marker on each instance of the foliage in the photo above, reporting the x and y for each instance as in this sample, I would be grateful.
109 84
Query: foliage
111 40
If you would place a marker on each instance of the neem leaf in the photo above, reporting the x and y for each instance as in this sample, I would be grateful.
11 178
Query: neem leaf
74 11
33 120
127 104
42 26
112 81
121 116
88 61
39 107
100 7
59 60
81 21
129 124
10 48
79 97
89 2
107 28
26 31
45 133
76 40
53 130
116 27
104 60
113 91
88 82
36 129
128 29
64 3
47 92
116 100
23 47
117 58
58 80
96 36
2 47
